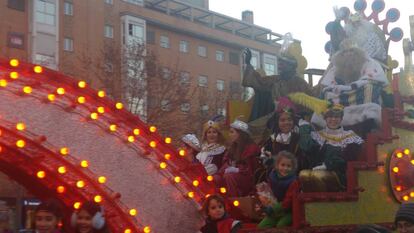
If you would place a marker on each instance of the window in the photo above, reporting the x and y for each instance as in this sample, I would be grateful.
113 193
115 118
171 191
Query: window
68 44
165 105
185 107
16 4
255 61
204 109
109 31
150 37
234 58
136 33
219 55
136 2
45 12
109 2
166 73
220 85
15 40
164 42
202 51
269 62
184 46
45 60
184 78
202 81
221 111
68 8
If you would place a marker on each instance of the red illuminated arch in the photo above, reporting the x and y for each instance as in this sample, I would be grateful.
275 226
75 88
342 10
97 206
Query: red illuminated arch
49 111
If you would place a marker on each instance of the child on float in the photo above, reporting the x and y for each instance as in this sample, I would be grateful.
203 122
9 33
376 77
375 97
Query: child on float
328 152
285 135
89 218
192 147
277 205
212 148
48 216
217 220
239 163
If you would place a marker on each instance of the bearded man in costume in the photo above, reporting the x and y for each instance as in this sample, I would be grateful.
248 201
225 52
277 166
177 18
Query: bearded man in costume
355 81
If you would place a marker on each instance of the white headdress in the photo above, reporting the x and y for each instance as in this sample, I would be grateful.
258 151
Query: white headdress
192 141
240 125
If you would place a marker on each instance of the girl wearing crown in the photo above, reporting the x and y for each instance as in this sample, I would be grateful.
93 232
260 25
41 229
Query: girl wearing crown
212 149
328 151
239 163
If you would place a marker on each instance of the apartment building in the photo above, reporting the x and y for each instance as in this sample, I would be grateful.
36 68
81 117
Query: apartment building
88 40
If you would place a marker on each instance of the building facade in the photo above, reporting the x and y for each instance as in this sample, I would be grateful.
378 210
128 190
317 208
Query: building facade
197 52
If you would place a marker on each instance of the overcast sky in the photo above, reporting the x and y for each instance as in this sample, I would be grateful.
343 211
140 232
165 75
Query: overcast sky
306 20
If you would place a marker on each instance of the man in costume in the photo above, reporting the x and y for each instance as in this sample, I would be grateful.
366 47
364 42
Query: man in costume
269 88
355 81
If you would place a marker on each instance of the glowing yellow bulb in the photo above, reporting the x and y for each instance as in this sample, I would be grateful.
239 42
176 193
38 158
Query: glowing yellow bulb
97 198
405 198
94 116
27 90
411 194
102 179
167 156
168 140
3 83
20 143
177 179
163 165
119 105
51 97
60 91
81 99
153 129
14 75
38 69
210 178
131 138
236 203
84 163
81 84
41 174
80 184
407 151
133 212
398 188
76 205
196 183
395 169
137 131
153 144
223 190
60 189
101 110
62 169
101 94
112 127
64 151
181 152
127 230
147 229
412 162
14 62
20 126
399 155
190 194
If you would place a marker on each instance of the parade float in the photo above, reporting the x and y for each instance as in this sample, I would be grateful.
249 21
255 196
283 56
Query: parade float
59 138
